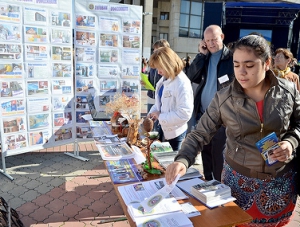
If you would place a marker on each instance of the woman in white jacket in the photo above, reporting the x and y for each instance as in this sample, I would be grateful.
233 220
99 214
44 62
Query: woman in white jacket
173 97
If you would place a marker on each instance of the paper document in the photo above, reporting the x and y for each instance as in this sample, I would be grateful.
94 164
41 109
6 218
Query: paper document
149 203
147 83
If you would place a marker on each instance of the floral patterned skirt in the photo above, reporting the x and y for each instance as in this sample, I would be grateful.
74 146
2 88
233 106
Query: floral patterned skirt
270 202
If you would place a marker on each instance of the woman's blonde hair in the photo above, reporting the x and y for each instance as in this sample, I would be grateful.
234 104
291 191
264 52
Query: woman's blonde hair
166 59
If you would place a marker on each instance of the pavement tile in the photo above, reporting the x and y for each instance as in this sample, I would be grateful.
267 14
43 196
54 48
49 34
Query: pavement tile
115 209
42 214
69 197
57 192
86 214
56 217
26 220
84 201
99 207
56 205
28 208
43 200
71 210
30 195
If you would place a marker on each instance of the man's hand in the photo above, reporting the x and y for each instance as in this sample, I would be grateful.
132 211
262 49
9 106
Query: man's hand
173 170
202 48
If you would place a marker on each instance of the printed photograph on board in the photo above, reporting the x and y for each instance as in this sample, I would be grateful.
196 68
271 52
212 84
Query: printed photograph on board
61 70
85 86
131 41
62 36
35 34
81 102
84 38
85 70
38 137
85 54
40 120
62 134
108 55
12 88
132 26
37 87
37 70
60 19
36 16
12 107
62 87
14 124
85 21
83 132
10 13
108 71
10 51
15 141
108 40
61 53
36 52
10 32
38 104
62 102
11 70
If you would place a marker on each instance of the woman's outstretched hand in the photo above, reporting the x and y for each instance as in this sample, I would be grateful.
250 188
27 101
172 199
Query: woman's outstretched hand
173 170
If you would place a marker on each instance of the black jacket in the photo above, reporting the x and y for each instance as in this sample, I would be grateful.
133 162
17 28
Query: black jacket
197 73
153 78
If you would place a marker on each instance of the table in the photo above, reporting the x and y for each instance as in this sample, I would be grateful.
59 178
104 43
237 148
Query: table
228 215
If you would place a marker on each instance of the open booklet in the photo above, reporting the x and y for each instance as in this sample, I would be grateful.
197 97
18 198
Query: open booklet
154 202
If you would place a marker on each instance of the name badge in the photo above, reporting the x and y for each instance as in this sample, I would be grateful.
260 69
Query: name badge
223 79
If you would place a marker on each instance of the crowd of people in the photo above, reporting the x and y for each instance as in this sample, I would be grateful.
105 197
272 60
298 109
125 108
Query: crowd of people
244 92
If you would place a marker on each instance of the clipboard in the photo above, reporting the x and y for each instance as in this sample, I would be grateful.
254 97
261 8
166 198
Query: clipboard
147 83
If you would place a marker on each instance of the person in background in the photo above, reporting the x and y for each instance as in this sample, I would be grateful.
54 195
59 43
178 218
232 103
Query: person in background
144 65
153 75
187 64
212 69
174 97
256 104
283 61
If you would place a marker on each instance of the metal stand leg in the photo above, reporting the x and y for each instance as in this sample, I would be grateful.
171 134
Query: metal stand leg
76 153
3 171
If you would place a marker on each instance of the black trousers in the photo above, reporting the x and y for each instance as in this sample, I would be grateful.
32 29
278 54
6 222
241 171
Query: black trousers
212 156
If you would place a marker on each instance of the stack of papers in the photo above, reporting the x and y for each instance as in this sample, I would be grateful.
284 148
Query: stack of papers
115 151
187 187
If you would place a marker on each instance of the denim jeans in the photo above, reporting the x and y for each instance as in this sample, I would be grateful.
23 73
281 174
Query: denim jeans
177 141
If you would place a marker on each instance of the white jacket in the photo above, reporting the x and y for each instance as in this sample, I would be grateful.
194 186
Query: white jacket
176 105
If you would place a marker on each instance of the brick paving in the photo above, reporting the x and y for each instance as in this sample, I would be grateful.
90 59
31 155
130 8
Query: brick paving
51 189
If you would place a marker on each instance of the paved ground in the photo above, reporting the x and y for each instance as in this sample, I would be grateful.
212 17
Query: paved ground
51 189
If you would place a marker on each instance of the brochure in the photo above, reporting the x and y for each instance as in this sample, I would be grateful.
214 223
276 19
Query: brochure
266 146
115 151
122 171
147 83
137 192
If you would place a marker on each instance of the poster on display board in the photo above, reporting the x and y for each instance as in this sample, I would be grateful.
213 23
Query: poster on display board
108 52
29 83
52 56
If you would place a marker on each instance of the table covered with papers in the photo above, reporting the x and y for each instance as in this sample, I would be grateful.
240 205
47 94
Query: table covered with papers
152 202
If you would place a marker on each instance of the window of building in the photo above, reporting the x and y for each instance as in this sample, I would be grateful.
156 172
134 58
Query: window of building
190 18
164 15
163 36
154 20
154 39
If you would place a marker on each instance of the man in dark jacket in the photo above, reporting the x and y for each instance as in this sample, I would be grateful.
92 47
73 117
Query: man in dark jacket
212 69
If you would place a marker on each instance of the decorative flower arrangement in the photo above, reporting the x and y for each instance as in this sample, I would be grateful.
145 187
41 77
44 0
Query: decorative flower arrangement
128 107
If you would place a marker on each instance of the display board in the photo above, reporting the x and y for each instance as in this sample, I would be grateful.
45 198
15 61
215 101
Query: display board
53 53
108 49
